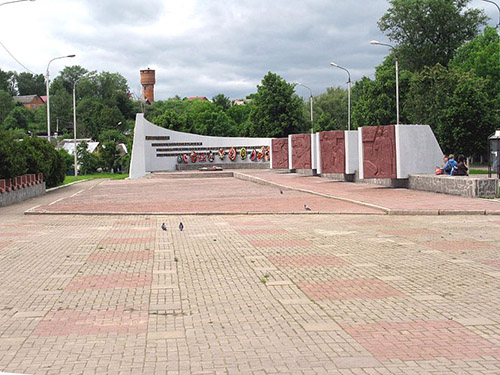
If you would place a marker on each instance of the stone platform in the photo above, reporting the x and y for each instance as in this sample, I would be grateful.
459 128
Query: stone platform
465 186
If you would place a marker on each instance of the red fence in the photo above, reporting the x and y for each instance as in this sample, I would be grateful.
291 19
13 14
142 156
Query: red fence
20 182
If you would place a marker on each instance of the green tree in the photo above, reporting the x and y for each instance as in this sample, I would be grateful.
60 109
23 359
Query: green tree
456 105
430 31
110 118
374 101
87 162
30 84
108 155
330 109
482 57
12 158
7 104
276 111
19 118
112 135
42 157
6 82
67 77
222 101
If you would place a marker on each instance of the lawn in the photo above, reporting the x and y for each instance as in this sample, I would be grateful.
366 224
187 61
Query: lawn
111 176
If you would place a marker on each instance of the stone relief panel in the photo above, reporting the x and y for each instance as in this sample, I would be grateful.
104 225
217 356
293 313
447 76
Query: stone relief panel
279 148
379 150
332 151
301 151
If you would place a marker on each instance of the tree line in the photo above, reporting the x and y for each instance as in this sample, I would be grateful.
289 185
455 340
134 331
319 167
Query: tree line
449 79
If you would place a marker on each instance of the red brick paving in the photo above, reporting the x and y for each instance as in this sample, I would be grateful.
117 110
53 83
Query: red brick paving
421 340
349 289
71 322
460 245
120 241
4 244
411 232
279 243
115 280
492 263
253 232
391 198
121 256
299 261
14 234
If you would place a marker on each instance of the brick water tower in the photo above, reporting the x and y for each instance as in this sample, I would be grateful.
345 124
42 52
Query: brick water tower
148 85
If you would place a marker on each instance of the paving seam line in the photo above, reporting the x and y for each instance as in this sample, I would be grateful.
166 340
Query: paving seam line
245 177
32 211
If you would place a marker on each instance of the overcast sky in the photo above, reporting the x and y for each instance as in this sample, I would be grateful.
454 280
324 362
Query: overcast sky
201 47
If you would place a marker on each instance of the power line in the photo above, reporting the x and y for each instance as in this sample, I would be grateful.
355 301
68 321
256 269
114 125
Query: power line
11 55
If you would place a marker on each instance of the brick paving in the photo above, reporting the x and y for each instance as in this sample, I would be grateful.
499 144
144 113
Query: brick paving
245 294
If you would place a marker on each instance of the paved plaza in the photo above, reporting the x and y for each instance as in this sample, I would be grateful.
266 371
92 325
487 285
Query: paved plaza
372 280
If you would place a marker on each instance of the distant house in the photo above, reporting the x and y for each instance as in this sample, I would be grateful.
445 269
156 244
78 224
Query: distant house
241 101
30 101
199 98
69 145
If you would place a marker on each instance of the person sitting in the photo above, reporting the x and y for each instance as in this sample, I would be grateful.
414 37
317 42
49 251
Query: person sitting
461 168
438 169
450 165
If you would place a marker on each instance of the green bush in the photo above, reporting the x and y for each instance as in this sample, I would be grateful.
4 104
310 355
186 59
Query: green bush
30 155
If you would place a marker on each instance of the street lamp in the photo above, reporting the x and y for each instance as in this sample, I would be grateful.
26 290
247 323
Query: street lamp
15 1
74 122
377 43
498 7
47 84
311 100
348 94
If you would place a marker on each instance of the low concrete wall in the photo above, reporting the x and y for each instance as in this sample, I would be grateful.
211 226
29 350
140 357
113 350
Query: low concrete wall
466 186
15 196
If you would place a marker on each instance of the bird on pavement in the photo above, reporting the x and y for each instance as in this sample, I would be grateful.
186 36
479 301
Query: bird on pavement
281 191
163 226
181 227
306 208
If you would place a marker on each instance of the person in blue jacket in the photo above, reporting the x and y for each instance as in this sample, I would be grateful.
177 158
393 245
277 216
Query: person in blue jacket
450 165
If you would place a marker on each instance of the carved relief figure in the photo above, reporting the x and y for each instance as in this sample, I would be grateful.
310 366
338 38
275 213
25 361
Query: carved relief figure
332 152
379 149
301 151
280 153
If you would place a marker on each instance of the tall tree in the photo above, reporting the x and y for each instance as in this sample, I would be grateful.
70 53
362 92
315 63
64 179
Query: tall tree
430 31
222 101
276 111
7 104
30 84
330 109
6 82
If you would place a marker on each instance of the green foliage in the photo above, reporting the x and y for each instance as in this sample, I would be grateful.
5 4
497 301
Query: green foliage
68 160
330 110
481 56
457 107
430 31
7 104
110 118
18 118
42 157
222 101
374 101
30 84
12 158
87 162
108 156
112 135
276 111
7 82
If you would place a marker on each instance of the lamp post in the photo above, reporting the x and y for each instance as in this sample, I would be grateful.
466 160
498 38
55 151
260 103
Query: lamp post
377 43
47 84
348 94
15 1
311 100
498 7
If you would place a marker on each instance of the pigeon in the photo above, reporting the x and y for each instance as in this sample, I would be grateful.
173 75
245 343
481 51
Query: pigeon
306 208
281 191
163 226
181 227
